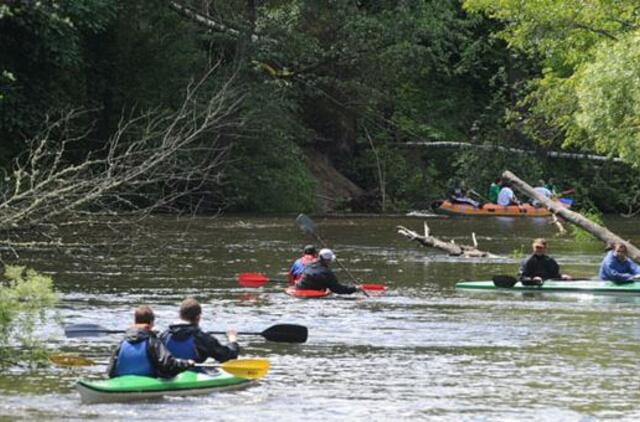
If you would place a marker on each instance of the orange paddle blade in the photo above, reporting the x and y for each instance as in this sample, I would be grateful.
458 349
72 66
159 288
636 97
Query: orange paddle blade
374 287
252 280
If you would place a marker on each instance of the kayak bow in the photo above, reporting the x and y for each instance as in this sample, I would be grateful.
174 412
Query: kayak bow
552 286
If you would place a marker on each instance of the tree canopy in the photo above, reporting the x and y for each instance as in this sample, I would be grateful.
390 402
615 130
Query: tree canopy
587 87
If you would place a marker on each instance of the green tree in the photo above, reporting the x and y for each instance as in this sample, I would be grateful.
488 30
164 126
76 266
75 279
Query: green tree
587 54
25 295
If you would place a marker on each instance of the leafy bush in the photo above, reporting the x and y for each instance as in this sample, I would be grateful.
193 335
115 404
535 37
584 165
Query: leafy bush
24 296
582 235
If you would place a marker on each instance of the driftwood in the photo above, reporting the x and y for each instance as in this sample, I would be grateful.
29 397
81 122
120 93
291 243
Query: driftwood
558 224
451 248
573 217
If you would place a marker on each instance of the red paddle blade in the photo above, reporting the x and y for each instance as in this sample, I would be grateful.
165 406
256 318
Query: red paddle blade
375 287
252 280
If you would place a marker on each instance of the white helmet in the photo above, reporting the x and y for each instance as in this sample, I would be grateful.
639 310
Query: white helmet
327 255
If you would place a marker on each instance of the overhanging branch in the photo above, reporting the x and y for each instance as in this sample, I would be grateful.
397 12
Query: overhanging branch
551 154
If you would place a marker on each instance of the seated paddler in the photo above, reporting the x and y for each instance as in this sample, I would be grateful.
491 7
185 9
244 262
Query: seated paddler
318 276
186 340
142 352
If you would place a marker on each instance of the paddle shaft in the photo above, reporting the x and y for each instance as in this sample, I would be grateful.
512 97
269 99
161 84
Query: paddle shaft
323 243
107 331
284 333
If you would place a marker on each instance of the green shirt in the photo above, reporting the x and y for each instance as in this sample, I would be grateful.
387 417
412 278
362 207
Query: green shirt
494 190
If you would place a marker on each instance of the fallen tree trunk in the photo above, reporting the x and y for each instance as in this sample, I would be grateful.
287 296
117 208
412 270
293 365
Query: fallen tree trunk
450 247
556 207
487 147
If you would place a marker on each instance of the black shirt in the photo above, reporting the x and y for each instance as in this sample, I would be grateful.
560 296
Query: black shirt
318 276
539 266
205 344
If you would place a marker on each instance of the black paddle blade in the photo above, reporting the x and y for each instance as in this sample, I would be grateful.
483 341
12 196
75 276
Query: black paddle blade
286 333
504 281
305 224
88 330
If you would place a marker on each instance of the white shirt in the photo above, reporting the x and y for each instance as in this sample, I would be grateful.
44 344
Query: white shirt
543 191
506 196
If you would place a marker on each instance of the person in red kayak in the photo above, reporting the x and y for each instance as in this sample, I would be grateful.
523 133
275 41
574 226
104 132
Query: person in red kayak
318 276
186 340
142 352
297 268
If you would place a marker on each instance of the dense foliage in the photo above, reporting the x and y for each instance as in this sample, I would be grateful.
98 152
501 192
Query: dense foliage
25 295
347 82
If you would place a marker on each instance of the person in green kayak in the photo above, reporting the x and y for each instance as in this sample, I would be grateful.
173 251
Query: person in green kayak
617 267
185 339
142 352
539 266
318 276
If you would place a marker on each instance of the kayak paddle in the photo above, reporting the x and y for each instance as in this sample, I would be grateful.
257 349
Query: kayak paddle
308 226
243 368
259 280
282 333
504 281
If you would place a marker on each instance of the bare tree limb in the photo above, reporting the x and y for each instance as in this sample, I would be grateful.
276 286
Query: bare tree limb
451 247
552 154
151 161
207 21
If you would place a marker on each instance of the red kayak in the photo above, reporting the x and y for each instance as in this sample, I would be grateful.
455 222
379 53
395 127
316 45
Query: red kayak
305 293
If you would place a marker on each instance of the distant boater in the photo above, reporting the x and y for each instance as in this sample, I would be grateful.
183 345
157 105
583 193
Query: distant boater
318 276
297 268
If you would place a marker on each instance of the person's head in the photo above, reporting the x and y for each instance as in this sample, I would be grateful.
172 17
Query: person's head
498 180
620 251
541 182
326 255
190 310
143 314
539 246
310 250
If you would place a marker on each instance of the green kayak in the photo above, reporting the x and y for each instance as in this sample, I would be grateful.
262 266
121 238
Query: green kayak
582 286
135 387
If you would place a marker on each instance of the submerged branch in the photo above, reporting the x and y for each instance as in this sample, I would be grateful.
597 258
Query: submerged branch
451 248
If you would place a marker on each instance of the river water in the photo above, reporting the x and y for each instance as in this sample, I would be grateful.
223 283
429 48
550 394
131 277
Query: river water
421 351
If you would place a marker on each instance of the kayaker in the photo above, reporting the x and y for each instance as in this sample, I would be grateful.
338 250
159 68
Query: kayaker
186 340
551 186
617 267
506 196
494 190
539 266
309 255
318 276
142 352
460 195
543 191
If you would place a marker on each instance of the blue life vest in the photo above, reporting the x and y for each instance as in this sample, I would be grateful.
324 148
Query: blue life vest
133 359
182 349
